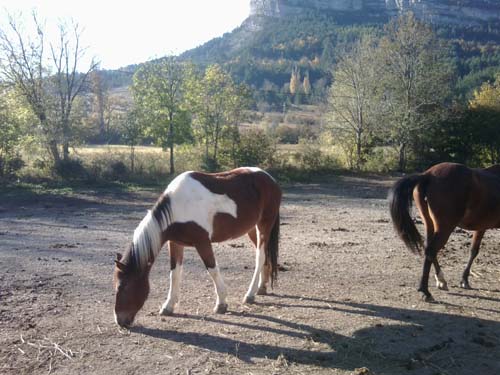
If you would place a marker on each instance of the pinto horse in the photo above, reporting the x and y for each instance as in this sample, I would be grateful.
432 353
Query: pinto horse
198 209
447 195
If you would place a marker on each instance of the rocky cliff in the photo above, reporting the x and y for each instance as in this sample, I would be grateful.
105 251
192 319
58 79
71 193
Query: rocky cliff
460 12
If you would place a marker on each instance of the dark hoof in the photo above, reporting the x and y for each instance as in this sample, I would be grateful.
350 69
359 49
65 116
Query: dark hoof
426 296
262 291
249 299
220 309
465 285
166 312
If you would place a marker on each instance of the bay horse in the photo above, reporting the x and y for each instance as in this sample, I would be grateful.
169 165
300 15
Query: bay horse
198 209
447 195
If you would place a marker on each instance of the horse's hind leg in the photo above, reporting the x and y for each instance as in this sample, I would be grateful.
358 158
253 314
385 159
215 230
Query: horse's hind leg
176 256
423 208
440 280
476 242
207 255
260 258
438 240
266 269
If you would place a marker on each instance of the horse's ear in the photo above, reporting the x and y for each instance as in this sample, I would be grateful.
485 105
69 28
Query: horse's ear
118 257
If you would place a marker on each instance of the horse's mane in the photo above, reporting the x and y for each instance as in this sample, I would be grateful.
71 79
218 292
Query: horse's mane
146 243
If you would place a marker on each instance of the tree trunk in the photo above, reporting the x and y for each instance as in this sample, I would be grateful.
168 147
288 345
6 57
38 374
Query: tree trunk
54 151
171 141
65 150
402 157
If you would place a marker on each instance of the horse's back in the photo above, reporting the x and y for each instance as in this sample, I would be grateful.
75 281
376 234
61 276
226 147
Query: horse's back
234 200
463 196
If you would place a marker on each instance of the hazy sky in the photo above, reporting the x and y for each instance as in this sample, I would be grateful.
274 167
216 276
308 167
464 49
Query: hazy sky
124 32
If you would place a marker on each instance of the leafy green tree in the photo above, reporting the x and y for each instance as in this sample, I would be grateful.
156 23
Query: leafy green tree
13 123
158 89
132 132
217 105
414 83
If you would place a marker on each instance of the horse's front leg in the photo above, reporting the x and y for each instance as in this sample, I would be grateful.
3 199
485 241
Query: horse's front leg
476 242
207 255
260 258
176 257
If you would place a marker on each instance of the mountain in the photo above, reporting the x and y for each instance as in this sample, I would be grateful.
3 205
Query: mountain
458 12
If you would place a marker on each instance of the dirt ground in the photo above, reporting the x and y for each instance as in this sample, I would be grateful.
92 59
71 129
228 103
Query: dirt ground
346 302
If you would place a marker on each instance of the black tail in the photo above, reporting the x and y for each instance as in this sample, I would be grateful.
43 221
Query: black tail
400 201
272 249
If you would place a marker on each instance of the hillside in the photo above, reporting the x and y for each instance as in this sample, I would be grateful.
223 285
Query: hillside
279 35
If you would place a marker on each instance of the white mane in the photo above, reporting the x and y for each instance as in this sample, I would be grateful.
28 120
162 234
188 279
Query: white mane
147 238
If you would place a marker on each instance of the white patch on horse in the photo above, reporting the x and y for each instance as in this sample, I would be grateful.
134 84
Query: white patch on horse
147 239
174 292
191 201
220 288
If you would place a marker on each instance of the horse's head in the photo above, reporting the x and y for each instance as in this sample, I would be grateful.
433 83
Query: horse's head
132 288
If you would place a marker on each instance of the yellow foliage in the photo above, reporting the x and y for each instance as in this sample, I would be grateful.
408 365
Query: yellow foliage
487 97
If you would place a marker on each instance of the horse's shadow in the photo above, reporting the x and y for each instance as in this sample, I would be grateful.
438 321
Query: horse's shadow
407 340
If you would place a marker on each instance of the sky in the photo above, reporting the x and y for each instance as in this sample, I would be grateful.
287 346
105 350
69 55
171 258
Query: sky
119 33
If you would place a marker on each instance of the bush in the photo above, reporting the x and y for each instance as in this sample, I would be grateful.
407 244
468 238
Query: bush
118 170
255 148
382 159
71 169
9 166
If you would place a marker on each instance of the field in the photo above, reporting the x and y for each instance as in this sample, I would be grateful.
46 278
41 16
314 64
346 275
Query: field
346 301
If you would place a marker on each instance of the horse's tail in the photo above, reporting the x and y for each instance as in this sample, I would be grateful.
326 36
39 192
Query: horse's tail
272 249
400 201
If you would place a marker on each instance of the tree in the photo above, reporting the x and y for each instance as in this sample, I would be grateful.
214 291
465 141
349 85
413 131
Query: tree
294 80
133 133
306 84
101 109
49 82
13 120
349 117
414 83
159 93
217 104
485 109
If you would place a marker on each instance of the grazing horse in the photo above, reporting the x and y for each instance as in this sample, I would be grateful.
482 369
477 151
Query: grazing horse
196 210
447 195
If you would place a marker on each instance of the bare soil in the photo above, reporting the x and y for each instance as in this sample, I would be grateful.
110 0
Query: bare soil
346 302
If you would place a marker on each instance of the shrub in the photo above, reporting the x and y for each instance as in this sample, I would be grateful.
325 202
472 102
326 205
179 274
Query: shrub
118 170
71 169
255 148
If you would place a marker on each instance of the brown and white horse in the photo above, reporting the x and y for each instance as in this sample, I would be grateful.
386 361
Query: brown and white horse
196 210
447 195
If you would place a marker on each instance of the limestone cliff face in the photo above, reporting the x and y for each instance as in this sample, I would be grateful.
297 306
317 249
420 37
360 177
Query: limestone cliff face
460 12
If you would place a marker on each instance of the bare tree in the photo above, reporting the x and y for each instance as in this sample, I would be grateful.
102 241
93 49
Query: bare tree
48 81
349 116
